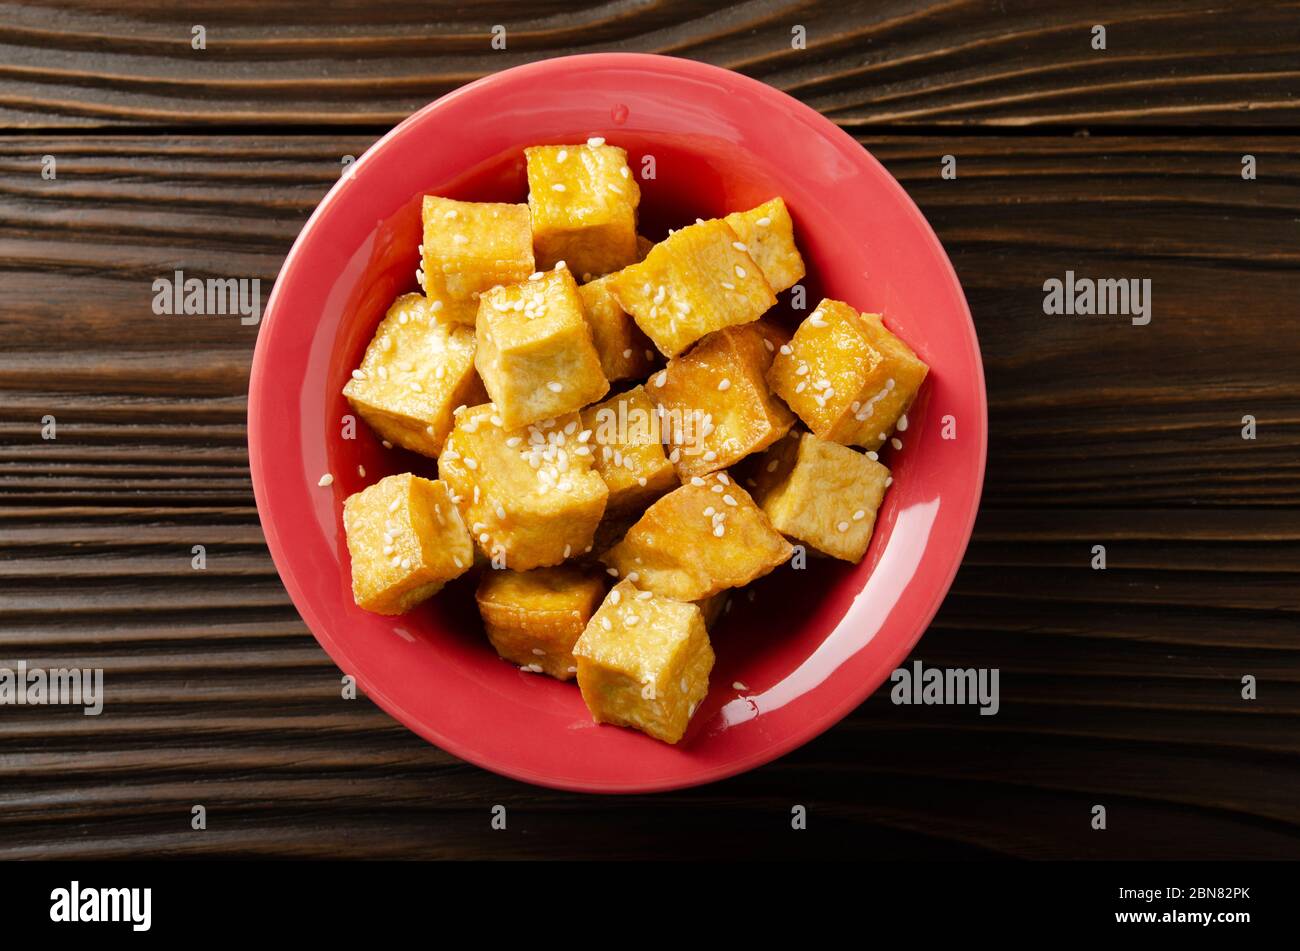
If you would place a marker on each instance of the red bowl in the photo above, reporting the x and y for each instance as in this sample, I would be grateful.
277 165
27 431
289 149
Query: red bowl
799 650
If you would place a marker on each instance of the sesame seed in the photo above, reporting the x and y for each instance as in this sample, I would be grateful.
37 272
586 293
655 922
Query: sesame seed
470 463
436 306
456 560
763 222
451 213
554 387
730 500
386 444
615 597
604 622
724 384
696 480
889 480
624 172
729 286
394 505
562 155
596 140
406 563
361 471
632 575
612 572
645 595
859 515
786 349
719 531
513 441
896 443
662 378
560 265
737 685
358 375
739 246
771 466
901 425
675 456
842 526
768 344
710 455
325 480
568 550
631 620
627 354
558 187
740 272
873 455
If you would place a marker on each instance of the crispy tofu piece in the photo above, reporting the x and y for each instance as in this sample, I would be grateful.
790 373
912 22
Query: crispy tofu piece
470 246
698 540
644 662
533 618
416 370
625 352
627 451
535 350
530 496
693 283
846 376
716 403
583 200
406 540
822 494
768 235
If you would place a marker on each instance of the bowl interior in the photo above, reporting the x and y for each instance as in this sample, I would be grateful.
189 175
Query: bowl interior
796 650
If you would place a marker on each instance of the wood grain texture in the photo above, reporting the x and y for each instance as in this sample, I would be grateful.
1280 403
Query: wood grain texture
1119 687
936 63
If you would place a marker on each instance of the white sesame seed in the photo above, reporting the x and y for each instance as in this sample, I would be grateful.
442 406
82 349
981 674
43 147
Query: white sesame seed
394 505
596 140
719 531
615 597
728 285
558 187
710 455
604 622
889 480
842 526
627 354
739 246
740 272
561 155
634 576
406 563
325 480
470 463
859 515
662 378
896 443
612 572
386 444
358 375
568 550
696 480
901 425
451 213
729 499
631 620
724 384
873 455
560 265
554 387
786 349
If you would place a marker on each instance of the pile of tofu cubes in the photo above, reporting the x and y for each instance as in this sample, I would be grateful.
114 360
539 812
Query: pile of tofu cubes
553 488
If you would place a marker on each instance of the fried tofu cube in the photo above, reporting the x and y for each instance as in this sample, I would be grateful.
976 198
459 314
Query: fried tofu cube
470 246
768 236
846 376
627 450
406 540
644 662
698 540
416 370
533 618
625 352
822 494
716 403
535 350
696 281
583 200
530 496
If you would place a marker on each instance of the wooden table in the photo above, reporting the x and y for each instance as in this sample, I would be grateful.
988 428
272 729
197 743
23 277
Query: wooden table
1120 687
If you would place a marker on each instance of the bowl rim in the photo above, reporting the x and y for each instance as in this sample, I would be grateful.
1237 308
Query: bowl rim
259 370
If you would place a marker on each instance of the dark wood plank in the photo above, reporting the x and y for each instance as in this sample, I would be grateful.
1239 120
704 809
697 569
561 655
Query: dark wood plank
866 64
1119 686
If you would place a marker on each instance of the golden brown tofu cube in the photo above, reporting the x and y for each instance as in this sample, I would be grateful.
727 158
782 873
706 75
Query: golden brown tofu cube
698 540
768 236
583 200
533 618
822 494
846 376
535 350
627 449
530 496
416 370
696 281
406 540
625 352
644 662
715 401
470 246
